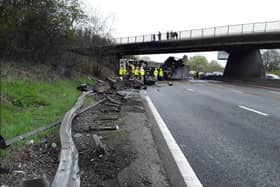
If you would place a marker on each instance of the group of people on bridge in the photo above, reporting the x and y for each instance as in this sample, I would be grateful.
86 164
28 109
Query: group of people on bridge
169 36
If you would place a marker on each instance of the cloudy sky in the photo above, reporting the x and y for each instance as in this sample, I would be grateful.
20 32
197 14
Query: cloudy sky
138 17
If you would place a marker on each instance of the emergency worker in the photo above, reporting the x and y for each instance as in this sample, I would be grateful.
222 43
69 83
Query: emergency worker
124 72
156 73
160 74
136 72
142 73
121 72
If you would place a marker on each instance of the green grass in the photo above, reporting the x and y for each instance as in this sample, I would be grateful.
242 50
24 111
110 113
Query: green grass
26 105
276 72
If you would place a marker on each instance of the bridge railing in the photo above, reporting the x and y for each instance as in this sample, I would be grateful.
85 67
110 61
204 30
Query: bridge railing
229 30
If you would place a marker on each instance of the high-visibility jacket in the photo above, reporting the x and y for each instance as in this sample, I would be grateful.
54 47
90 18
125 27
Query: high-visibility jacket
136 72
124 71
160 72
156 73
142 72
121 71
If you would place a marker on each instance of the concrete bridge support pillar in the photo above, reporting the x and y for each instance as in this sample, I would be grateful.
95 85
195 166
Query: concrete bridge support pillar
244 65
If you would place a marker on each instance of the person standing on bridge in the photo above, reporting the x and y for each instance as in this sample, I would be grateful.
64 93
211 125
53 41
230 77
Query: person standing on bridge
159 35
153 37
167 35
171 35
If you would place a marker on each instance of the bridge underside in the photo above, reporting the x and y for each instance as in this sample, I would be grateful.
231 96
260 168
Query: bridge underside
244 64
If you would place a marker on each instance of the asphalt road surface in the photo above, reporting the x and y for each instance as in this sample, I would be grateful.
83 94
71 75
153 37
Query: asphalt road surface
230 134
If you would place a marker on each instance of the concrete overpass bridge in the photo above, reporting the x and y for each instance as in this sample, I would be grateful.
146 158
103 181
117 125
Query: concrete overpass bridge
241 41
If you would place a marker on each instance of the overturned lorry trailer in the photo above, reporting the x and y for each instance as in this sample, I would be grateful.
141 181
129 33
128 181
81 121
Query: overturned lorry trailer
175 69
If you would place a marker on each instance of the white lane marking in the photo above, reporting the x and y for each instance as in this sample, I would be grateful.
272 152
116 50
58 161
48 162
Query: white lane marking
252 110
184 166
191 90
236 91
274 92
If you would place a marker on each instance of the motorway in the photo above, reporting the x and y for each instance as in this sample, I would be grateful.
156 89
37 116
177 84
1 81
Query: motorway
230 134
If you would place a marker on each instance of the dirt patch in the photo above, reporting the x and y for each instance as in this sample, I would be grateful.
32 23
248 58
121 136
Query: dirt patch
32 161
131 158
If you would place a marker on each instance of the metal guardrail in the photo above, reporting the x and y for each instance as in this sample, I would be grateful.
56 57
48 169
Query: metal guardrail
67 174
212 32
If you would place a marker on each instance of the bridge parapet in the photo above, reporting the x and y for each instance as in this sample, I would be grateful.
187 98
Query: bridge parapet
213 32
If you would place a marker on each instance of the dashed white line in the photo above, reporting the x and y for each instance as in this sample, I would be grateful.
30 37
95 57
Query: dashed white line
236 91
191 90
275 92
252 110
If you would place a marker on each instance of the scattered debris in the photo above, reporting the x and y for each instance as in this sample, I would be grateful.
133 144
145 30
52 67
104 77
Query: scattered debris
4 171
112 128
19 172
30 142
84 87
112 104
53 145
78 135
110 110
113 100
108 118
100 148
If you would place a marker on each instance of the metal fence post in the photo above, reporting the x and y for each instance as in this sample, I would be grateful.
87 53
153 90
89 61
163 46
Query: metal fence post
265 26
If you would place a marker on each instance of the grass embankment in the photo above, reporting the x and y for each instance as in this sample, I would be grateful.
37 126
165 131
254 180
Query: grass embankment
27 104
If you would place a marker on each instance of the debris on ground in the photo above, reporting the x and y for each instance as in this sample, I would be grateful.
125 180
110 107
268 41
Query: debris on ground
121 157
32 161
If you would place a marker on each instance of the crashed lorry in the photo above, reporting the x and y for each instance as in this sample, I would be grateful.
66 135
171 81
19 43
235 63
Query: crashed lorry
174 69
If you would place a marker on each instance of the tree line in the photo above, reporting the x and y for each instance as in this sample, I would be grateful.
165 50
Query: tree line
40 29
201 63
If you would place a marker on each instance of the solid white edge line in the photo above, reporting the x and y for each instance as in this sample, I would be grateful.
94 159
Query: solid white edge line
184 166
252 110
